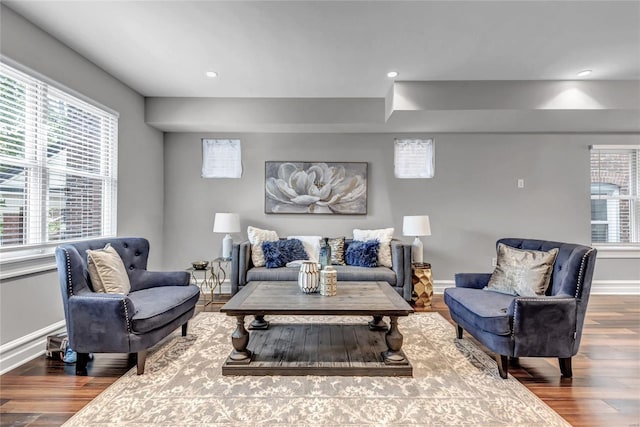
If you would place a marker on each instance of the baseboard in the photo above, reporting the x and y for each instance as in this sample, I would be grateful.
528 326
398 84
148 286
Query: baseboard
28 347
598 287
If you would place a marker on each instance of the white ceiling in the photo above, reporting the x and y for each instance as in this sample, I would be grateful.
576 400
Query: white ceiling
340 49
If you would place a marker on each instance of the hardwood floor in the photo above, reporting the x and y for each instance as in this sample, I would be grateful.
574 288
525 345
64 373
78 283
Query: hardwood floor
604 390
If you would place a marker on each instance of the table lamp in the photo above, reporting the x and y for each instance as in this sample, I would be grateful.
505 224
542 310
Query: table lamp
417 226
226 223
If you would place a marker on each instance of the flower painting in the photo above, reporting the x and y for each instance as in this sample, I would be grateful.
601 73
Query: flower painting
316 188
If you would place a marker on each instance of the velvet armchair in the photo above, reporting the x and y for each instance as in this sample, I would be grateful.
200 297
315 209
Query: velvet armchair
158 303
511 326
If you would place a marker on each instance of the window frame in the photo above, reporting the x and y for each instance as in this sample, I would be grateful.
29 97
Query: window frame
616 249
33 257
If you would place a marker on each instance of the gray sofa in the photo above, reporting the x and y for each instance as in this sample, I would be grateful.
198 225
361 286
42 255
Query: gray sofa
398 276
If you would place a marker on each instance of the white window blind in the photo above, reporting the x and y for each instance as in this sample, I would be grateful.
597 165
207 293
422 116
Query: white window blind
615 194
413 158
221 158
58 164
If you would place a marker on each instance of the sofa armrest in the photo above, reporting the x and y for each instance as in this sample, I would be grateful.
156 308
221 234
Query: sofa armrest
401 266
240 264
151 279
544 326
472 280
99 322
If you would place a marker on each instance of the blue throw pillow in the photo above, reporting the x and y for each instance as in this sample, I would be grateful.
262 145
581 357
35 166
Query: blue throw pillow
279 253
362 254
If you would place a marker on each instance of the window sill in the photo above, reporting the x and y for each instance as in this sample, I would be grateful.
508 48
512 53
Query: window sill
24 264
618 252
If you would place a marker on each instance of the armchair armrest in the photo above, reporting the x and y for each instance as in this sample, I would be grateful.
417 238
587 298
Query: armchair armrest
99 322
144 279
472 280
544 326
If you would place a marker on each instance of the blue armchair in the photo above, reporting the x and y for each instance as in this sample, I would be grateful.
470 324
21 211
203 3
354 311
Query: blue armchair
158 303
514 326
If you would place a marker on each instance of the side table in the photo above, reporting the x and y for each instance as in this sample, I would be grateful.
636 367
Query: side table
209 279
422 284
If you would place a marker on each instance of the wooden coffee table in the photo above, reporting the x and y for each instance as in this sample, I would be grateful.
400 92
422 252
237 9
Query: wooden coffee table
317 348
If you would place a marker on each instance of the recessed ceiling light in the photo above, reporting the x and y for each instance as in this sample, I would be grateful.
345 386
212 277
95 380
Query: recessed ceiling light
392 74
584 73
211 74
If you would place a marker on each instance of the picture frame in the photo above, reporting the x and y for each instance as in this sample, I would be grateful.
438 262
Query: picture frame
316 188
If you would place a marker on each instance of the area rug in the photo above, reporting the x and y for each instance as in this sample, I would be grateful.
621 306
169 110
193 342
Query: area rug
454 384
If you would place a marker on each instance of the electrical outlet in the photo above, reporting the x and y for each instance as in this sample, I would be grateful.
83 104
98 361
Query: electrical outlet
494 261
520 183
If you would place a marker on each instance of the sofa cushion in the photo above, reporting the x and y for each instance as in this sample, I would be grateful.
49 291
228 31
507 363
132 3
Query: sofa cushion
156 307
362 254
107 271
279 253
257 236
311 246
487 311
337 250
345 273
522 272
382 235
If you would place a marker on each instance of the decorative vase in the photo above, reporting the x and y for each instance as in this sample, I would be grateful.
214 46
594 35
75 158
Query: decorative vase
309 277
328 281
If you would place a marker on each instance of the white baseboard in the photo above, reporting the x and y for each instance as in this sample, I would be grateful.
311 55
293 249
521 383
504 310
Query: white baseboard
28 347
598 287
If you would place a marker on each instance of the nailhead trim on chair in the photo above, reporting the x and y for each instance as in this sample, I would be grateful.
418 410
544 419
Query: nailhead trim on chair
126 314
69 284
581 272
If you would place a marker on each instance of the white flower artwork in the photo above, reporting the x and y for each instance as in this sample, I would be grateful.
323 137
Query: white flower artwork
316 188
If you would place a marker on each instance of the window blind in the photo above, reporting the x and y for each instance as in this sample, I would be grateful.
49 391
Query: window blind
615 194
413 158
221 158
58 164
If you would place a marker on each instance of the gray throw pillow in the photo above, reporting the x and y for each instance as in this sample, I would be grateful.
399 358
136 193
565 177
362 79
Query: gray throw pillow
522 272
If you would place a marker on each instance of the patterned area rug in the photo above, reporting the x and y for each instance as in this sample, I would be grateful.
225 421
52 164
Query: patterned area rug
454 384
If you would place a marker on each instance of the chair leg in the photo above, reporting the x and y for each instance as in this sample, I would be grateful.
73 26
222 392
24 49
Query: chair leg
141 359
503 365
565 367
81 364
184 329
459 331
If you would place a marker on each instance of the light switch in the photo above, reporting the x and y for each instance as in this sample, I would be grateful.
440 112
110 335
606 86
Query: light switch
520 183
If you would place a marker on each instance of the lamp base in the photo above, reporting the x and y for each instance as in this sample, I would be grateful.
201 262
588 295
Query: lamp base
416 251
227 244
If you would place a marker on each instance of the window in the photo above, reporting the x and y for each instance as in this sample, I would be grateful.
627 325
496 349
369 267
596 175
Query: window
58 166
615 201
221 158
413 158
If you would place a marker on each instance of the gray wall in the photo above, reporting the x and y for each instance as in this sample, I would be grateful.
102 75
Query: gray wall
33 302
472 201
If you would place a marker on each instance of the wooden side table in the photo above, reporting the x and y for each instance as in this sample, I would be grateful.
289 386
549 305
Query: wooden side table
422 284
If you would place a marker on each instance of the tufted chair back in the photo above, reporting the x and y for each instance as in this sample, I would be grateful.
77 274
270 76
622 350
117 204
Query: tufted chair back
72 262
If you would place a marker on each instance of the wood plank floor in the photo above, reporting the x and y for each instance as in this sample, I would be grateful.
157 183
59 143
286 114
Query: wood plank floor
605 389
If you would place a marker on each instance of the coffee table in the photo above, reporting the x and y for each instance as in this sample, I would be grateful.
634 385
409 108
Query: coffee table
317 348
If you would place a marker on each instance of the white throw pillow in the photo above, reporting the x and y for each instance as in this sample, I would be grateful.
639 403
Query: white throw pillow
382 235
311 245
257 236
107 271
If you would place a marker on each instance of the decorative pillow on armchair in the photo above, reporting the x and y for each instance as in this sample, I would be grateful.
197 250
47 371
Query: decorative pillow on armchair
362 254
256 237
279 253
107 271
522 272
382 235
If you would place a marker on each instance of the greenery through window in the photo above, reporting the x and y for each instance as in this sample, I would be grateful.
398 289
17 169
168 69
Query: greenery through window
58 169
615 197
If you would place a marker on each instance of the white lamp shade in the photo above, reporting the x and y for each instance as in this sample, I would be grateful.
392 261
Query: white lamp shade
417 225
226 223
